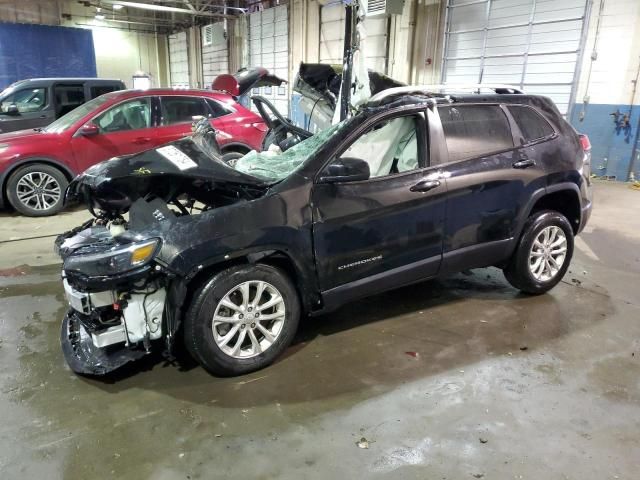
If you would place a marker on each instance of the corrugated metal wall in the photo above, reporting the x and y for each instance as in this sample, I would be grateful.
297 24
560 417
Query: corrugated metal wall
535 44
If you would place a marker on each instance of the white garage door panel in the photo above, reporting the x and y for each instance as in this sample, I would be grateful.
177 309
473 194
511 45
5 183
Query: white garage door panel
332 18
269 48
534 44
178 60
215 56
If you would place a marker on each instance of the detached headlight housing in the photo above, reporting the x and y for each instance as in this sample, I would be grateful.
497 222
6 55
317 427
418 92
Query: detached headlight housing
114 261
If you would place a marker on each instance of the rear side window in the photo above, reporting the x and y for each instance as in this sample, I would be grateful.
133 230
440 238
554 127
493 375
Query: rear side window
218 109
475 130
531 123
182 109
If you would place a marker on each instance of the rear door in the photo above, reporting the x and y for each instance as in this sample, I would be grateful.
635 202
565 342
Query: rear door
68 96
489 182
385 231
26 108
176 116
124 129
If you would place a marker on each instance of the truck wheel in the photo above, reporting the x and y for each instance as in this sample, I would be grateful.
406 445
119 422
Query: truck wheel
37 190
242 319
543 253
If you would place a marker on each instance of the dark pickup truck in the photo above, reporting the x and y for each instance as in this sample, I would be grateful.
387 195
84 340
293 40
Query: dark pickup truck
416 184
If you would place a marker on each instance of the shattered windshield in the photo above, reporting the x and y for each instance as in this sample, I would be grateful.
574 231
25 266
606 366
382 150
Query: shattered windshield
275 166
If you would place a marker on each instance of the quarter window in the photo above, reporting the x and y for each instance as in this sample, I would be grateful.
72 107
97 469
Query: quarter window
26 100
475 130
131 115
218 109
389 147
182 109
531 123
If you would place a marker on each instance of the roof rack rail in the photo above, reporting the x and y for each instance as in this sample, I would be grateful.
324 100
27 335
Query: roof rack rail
475 88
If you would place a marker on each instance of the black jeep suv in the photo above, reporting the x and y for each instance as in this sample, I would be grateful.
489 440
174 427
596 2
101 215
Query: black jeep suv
228 258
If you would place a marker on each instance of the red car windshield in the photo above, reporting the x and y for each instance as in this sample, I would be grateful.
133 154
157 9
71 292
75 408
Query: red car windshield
64 122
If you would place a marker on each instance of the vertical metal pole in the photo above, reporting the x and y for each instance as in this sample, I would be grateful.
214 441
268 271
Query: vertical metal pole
484 41
347 66
525 60
586 17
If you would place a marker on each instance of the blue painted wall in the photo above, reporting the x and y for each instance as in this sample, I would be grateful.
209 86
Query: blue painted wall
611 145
31 51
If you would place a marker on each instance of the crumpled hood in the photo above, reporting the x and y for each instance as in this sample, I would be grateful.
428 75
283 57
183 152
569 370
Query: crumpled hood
180 167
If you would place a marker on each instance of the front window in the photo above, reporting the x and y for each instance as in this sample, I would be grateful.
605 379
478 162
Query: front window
131 115
389 147
272 166
66 121
26 100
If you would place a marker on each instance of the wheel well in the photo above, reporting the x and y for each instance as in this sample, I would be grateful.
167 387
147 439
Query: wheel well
273 258
236 148
26 163
565 202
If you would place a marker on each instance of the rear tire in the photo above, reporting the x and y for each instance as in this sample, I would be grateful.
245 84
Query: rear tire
37 190
543 253
231 329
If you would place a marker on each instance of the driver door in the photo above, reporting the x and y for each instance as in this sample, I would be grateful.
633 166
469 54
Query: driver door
26 108
375 234
124 129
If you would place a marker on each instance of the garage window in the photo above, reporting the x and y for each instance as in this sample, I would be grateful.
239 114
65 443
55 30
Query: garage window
475 130
531 123
182 109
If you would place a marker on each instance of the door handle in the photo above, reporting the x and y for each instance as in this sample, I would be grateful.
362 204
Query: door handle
141 140
526 163
425 185
43 116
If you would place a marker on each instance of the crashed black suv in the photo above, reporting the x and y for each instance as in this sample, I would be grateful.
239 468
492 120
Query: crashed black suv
228 258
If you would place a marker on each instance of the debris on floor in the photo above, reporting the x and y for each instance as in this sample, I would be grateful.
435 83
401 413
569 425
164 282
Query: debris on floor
413 354
483 440
576 281
363 443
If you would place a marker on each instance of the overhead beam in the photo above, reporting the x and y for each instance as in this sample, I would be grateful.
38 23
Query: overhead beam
165 8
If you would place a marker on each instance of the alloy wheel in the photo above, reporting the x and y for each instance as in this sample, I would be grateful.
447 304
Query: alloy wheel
38 190
248 319
548 253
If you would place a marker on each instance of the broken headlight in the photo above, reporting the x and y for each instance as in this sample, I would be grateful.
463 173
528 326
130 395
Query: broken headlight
116 260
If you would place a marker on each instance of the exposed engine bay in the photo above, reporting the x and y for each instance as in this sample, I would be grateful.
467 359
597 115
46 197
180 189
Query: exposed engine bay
118 299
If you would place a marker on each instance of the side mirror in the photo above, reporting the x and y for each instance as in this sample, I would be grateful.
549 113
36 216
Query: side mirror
89 129
13 109
346 169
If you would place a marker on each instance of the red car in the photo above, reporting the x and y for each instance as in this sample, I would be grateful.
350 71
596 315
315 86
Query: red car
36 165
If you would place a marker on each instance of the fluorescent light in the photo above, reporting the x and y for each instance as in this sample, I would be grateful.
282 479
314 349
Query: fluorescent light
100 16
117 6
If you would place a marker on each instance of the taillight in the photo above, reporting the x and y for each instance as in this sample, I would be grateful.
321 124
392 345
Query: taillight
584 141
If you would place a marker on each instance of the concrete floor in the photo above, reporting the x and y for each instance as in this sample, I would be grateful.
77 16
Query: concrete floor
459 378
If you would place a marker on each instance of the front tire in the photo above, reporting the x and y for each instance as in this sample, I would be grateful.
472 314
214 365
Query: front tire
543 253
242 319
37 190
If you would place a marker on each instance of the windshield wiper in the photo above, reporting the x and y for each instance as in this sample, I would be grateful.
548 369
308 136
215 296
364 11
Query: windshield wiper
37 129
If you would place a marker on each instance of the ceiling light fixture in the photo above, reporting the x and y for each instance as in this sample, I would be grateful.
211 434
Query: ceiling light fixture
100 16
117 6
